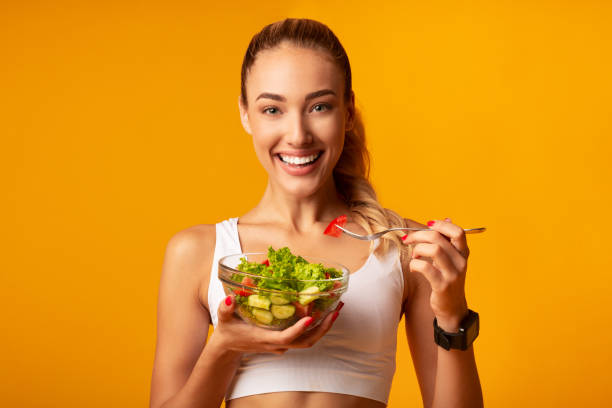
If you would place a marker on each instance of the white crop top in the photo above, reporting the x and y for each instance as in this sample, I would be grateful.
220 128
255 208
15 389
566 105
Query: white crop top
356 356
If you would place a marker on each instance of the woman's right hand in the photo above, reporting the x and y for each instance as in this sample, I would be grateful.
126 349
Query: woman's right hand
233 334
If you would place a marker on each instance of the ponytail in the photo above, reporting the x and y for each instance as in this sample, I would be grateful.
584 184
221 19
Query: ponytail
351 176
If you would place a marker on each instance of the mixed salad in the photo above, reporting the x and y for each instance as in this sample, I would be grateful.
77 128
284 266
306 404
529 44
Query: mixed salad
277 292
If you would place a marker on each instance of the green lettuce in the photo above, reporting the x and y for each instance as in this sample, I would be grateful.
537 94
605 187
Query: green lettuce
284 271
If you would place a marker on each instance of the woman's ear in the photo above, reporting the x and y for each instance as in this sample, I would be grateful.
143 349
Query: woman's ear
350 112
244 116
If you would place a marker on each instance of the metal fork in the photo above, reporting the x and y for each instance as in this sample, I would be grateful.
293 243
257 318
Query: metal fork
378 234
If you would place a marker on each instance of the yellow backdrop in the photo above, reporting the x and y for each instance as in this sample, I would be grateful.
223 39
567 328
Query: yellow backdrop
120 127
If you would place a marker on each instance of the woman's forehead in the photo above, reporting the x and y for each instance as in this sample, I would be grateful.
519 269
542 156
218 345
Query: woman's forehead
293 72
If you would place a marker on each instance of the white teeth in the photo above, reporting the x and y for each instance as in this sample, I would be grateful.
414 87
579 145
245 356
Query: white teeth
298 160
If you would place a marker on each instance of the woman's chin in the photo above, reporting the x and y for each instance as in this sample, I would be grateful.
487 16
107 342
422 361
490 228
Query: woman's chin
301 190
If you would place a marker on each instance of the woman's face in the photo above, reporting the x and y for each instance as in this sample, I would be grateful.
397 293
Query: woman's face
297 116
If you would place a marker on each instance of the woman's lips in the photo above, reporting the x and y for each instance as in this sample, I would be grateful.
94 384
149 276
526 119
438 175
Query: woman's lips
299 169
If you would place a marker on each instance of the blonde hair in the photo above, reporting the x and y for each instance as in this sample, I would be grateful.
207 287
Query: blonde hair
351 174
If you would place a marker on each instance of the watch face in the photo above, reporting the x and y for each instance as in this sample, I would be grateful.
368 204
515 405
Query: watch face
464 338
472 330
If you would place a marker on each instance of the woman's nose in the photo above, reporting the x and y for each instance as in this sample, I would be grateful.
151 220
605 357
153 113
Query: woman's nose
298 133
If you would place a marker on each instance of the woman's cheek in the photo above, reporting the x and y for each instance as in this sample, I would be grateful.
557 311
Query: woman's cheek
263 145
330 121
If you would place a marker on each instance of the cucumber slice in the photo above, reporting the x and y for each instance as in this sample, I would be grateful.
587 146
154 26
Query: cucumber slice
278 299
308 295
259 301
263 316
283 311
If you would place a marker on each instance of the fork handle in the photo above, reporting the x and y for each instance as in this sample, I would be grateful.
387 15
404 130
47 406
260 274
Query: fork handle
467 230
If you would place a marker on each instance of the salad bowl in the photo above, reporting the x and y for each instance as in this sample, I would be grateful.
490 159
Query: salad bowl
274 290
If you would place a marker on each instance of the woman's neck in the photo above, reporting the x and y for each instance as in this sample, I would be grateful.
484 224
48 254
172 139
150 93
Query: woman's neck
297 213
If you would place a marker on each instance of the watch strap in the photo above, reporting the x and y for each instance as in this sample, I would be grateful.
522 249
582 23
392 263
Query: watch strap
463 339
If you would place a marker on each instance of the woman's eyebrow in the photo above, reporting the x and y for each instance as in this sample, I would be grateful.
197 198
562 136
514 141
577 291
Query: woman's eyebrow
281 98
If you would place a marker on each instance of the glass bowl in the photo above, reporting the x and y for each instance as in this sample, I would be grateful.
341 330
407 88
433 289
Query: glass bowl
260 305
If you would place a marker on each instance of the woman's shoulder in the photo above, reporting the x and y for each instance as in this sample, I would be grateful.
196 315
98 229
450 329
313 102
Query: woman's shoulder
189 256
189 242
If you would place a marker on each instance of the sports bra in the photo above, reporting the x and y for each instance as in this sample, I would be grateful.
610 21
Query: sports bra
356 356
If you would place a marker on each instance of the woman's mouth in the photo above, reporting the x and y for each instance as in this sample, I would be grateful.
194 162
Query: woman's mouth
299 165
299 161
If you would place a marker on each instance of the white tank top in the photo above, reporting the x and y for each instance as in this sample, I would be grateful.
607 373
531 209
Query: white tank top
356 356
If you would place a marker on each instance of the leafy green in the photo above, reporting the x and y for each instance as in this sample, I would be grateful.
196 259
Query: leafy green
285 270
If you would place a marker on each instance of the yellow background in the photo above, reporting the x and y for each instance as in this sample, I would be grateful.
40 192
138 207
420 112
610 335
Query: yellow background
120 127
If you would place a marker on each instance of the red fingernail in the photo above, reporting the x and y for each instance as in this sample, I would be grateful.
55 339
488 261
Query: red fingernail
430 223
307 322
404 237
340 306
228 300
335 316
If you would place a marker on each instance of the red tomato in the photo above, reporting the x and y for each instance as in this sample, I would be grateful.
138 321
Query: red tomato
302 310
266 262
247 281
332 230
336 286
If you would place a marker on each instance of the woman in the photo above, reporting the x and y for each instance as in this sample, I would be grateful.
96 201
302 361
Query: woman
297 104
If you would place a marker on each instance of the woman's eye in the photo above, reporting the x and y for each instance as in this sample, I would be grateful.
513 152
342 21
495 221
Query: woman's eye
270 110
323 107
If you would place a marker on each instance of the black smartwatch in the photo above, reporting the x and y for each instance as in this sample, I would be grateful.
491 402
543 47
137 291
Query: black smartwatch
468 331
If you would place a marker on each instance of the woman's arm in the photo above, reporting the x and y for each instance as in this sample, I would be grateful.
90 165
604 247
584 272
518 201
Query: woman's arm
186 373
446 378
209 379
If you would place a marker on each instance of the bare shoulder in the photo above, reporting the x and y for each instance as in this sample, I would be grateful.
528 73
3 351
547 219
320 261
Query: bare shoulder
191 252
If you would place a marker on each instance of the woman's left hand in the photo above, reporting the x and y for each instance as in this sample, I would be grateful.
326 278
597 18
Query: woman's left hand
440 255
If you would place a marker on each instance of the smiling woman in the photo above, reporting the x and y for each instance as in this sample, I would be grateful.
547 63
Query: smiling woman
298 105
328 111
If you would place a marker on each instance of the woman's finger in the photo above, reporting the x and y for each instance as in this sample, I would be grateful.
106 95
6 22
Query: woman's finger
272 339
435 237
455 233
439 257
225 311
272 348
310 338
288 336
433 275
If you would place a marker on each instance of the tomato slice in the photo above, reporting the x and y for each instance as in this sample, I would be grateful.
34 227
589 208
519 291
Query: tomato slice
247 281
302 310
336 286
332 230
